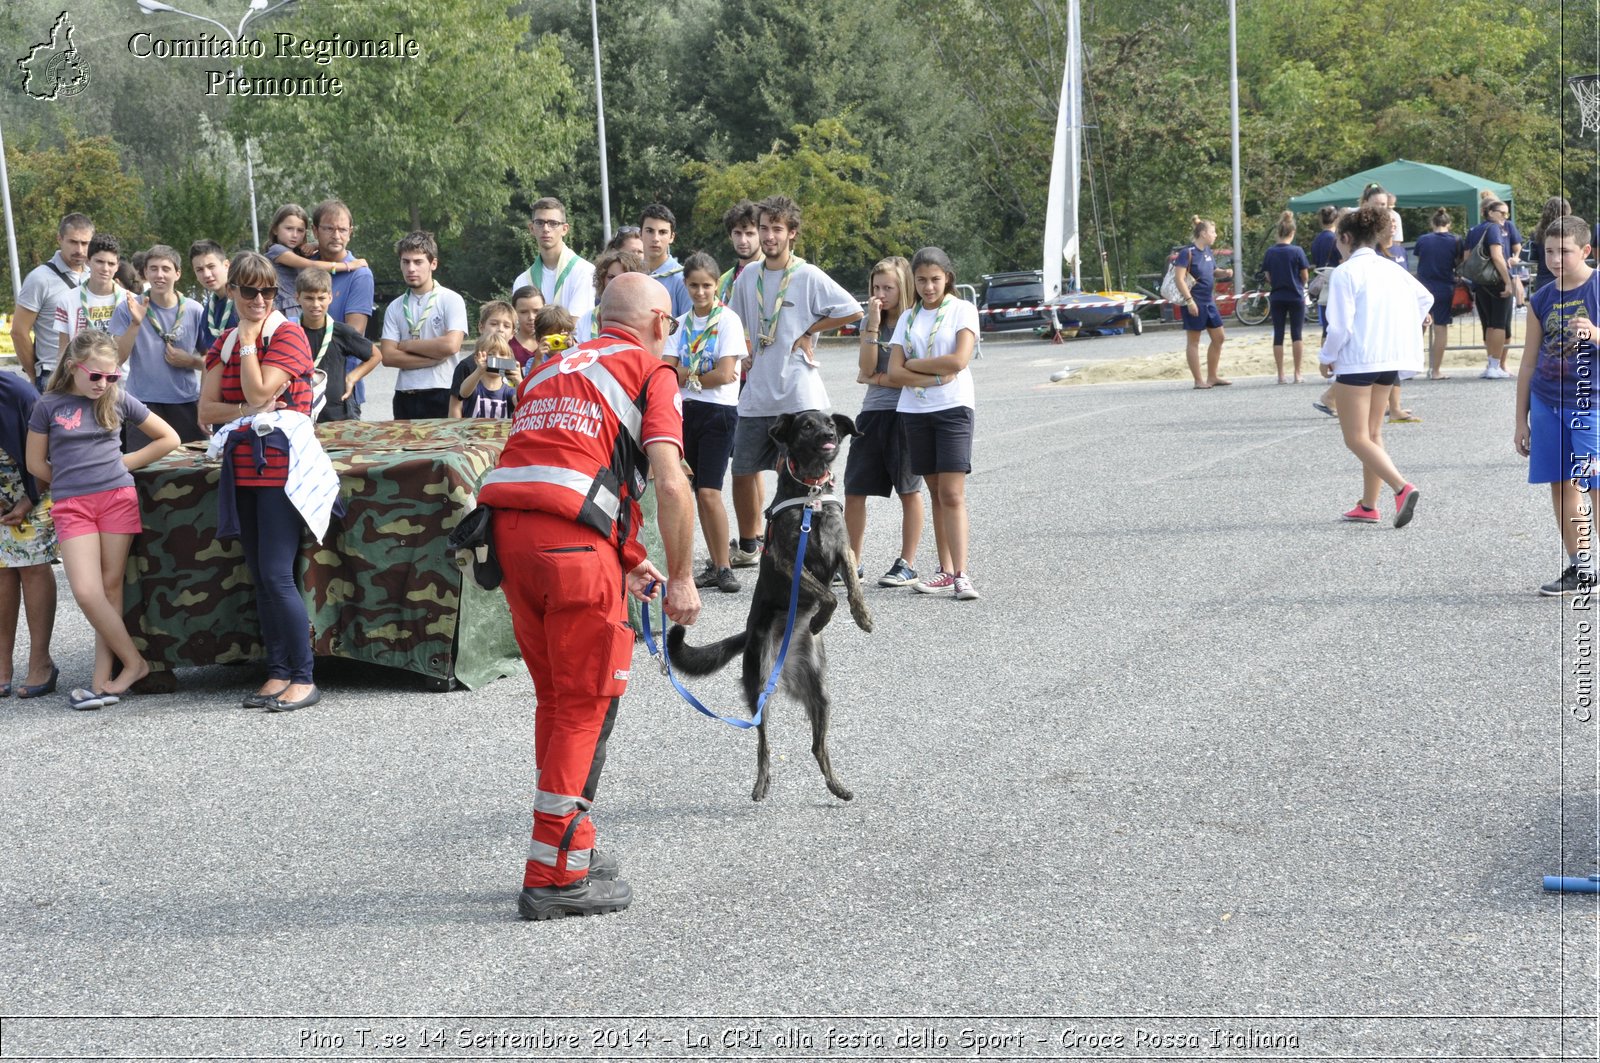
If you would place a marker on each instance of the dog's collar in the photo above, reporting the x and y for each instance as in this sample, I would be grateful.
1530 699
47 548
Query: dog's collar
816 485
811 501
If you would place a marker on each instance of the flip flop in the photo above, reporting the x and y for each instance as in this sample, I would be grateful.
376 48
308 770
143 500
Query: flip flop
1323 407
81 699
5 690
1223 384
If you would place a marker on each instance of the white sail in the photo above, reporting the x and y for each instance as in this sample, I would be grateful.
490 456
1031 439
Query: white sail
1061 210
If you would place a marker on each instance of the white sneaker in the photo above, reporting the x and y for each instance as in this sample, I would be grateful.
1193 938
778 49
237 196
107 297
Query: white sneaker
964 590
1488 372
1497 373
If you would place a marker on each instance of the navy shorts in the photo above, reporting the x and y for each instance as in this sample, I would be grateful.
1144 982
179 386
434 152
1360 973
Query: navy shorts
708 429
1443 294
1204 317
940 441
879 462
1366 380
1564 442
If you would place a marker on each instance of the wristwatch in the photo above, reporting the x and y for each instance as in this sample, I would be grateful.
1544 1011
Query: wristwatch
246 348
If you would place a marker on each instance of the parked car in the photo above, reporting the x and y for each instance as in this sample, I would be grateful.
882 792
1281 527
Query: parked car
1011 302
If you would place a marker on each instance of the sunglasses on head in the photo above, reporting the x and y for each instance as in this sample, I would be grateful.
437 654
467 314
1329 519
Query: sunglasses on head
109 378
249 293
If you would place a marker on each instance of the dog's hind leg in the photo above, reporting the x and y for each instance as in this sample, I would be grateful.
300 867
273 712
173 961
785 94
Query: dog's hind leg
804 682
758 657
852 592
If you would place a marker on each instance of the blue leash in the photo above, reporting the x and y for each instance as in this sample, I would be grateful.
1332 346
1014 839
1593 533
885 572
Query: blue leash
783 650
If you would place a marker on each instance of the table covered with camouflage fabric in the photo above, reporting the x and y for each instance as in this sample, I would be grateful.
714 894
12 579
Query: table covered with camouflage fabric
382 587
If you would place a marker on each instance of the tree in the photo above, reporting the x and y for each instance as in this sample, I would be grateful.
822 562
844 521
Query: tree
845 215
49 183
417 143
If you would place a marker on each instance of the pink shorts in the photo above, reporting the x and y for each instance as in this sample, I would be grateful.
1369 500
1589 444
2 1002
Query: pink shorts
113 512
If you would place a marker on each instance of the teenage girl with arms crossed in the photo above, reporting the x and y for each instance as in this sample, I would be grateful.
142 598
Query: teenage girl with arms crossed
75 446
929 360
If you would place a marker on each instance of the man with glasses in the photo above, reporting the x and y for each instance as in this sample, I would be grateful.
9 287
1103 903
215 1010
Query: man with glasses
589 431
560 275
353 298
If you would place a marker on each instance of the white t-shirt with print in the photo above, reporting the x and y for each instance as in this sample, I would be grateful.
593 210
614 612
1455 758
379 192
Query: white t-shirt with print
83 309
781 379
911 334
446 313
729 342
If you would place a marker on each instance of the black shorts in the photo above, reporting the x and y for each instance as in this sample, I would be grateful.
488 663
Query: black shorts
879 460
940 441
422 404
1366 380
1494 309
708 429
184 417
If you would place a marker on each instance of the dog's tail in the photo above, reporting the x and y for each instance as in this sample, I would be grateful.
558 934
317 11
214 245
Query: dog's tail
702 660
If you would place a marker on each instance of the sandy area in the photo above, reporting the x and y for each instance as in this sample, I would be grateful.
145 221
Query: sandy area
1250 355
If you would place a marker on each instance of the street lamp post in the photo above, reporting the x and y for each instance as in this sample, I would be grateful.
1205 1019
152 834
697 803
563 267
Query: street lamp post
600 123
257 8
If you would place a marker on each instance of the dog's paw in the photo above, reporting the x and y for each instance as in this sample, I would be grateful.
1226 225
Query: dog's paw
838 790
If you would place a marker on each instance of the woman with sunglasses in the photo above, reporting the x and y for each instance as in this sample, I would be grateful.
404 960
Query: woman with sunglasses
75 449
276 480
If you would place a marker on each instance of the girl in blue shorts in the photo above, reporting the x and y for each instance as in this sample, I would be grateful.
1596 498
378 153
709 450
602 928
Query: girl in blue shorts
1438 254
1557 429
1196 272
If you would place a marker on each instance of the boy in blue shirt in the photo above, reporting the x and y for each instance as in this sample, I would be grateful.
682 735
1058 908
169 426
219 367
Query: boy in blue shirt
1557 427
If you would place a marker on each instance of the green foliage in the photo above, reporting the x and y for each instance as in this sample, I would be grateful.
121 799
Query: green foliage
49 183
844 214
196 203
424 143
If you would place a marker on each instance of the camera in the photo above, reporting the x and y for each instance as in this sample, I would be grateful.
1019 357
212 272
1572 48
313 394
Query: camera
499 365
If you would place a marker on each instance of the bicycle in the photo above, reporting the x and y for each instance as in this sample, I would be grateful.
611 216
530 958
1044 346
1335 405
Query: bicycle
1253 306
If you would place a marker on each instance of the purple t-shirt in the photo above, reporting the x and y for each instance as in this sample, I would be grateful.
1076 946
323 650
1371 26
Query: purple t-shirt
1565 373
84 457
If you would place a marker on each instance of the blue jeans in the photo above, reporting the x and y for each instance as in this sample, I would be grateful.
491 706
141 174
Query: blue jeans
269 528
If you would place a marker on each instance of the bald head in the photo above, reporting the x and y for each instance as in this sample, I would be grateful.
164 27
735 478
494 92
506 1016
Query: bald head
641 305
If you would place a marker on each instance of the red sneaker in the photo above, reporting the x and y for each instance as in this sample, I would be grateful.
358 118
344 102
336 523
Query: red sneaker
1405 504
1362 514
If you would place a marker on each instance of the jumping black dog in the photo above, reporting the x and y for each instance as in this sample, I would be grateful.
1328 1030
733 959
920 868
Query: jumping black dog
805 474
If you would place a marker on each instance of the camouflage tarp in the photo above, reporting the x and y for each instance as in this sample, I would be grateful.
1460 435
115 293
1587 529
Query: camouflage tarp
383 587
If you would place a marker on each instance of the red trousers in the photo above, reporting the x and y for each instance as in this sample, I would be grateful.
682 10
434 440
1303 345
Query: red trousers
564 583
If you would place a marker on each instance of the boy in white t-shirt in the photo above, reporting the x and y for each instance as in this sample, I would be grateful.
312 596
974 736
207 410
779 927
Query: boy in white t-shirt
97 298
422 333
707 349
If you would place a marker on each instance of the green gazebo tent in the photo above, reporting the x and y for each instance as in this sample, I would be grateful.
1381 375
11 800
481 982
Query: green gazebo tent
1414 184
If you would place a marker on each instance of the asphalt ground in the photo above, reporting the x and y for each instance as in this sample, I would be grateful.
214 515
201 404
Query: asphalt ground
1206 773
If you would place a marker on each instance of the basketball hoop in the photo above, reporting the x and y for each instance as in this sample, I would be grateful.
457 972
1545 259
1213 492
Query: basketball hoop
1586 87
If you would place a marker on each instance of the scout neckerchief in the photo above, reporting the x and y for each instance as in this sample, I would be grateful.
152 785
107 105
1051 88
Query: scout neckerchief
725 283
563 265
414 323
117 297
769 325
216 322
170 334
695 344
927 343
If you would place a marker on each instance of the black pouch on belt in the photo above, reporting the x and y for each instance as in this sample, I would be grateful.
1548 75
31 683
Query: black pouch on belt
473 544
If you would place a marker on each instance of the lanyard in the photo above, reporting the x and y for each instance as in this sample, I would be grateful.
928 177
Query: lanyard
536 273
696 342
769 325
414 323
170 335
927 344
327 338
216 322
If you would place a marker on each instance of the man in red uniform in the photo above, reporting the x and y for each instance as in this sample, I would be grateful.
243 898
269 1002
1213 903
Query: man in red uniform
589 428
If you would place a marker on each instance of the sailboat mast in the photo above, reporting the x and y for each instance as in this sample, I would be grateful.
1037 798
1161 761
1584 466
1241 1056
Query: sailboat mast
1061 209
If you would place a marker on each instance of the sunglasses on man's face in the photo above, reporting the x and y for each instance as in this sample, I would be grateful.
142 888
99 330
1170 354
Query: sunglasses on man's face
248 293
95 378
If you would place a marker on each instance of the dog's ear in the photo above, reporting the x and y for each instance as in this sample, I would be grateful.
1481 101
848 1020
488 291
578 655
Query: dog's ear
844 425
782 429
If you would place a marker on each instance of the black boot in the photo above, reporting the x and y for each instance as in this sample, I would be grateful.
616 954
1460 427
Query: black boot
587 896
